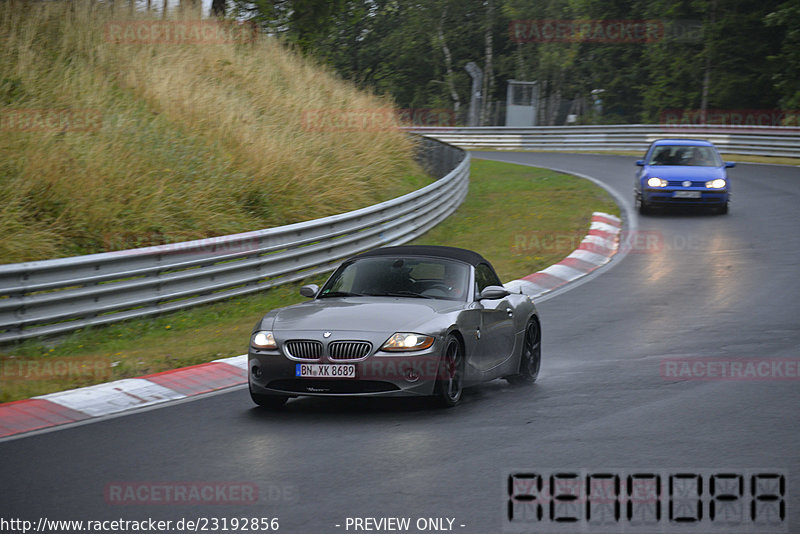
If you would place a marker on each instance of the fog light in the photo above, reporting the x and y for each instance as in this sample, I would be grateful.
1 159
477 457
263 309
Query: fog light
256 371
411 376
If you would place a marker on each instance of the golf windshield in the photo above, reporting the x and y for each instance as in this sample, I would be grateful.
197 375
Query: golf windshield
386 276
700 156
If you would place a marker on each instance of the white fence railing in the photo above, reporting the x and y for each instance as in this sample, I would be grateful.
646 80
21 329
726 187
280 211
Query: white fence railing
750 140
54 296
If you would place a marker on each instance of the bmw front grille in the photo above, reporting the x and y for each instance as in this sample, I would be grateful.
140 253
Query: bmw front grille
349 350
307 349
304 349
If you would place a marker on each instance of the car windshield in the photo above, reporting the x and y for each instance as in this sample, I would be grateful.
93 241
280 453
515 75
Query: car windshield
433 278
699 156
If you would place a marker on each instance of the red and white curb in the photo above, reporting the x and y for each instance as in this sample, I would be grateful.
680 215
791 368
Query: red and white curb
114 397
596 249
76 405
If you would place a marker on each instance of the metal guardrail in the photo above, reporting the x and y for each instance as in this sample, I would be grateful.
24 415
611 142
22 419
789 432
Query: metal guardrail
55 296
750 140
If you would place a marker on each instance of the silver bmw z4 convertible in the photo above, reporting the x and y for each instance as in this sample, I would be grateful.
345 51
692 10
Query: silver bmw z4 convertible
397 321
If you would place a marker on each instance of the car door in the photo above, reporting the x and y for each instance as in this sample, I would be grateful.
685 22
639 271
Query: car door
496 341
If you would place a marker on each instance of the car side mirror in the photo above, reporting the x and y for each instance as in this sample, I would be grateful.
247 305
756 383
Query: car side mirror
640 162
730 164
309 291
493 293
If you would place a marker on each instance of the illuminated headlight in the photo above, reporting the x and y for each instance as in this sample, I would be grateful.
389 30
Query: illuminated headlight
719 183
656 182
263 339
402 341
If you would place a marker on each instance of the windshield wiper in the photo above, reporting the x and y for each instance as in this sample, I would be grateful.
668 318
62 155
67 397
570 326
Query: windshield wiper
340 294
400 294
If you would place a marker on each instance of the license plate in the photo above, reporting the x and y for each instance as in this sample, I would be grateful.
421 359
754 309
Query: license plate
686 194
317 370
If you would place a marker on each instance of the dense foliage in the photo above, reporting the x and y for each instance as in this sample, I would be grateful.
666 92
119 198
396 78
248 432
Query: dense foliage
708 54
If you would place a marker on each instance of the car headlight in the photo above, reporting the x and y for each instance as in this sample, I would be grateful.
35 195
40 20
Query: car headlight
719 183
405 341
656 182
263 339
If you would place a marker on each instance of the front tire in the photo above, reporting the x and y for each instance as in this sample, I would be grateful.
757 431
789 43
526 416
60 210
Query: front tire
531 358
450 376
644 209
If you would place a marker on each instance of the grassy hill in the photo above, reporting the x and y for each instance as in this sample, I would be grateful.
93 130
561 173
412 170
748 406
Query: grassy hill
110 143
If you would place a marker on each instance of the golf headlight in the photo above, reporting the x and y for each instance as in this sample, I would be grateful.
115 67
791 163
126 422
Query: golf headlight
403 341
719 183
263 339
656 182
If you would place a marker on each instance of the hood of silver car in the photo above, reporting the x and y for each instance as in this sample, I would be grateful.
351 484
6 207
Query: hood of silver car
368 314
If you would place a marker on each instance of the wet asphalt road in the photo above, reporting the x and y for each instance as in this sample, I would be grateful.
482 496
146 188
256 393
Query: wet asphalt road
705 286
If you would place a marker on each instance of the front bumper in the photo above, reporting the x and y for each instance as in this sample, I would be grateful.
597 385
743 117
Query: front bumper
666 196
402 375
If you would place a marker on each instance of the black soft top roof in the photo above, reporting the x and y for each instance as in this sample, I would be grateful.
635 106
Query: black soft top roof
453 253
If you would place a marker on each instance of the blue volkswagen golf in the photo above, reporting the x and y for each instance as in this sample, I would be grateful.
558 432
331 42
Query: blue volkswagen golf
686 172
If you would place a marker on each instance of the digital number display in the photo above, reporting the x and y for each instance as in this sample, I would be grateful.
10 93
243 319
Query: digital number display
646 500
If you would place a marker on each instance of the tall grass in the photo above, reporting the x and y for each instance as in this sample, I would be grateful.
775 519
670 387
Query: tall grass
194 140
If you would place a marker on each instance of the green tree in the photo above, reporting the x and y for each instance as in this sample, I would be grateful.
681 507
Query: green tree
786 63
303 22
713 54
725 68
